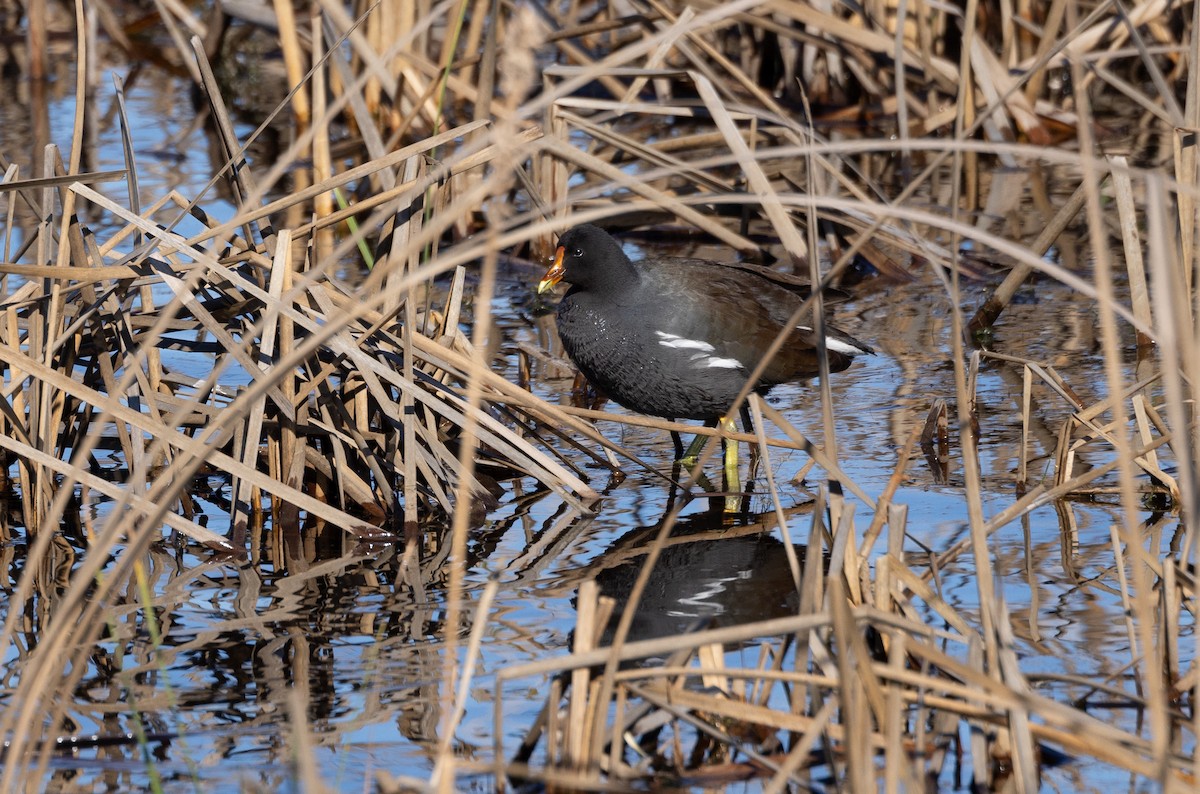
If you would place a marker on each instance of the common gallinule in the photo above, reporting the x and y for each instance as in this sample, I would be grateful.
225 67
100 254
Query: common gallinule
678 338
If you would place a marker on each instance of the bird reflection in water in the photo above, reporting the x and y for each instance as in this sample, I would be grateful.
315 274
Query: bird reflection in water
709 574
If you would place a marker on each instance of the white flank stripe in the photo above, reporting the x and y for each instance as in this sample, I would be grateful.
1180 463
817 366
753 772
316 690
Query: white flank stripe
676 341
725 363
838 346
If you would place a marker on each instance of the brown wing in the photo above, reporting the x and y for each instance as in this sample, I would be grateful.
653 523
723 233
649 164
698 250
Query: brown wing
744 315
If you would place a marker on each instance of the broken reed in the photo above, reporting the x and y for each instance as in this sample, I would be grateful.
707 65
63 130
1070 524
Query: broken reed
356 390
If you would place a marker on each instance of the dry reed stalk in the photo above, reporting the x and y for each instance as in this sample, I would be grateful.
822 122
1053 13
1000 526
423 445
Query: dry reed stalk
322 168
293 61
1187 174
780 514
1179 345
963 172
1143 597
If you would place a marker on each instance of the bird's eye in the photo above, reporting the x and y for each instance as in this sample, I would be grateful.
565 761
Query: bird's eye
578 252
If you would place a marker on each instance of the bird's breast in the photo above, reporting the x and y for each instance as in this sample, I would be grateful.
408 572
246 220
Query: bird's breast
635 361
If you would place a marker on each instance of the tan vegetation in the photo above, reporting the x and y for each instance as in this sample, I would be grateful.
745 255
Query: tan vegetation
430 140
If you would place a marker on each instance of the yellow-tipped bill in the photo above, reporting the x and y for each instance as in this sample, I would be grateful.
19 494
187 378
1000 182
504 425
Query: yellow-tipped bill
555 273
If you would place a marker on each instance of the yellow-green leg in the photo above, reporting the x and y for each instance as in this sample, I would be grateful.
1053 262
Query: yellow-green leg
692 453
733 482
